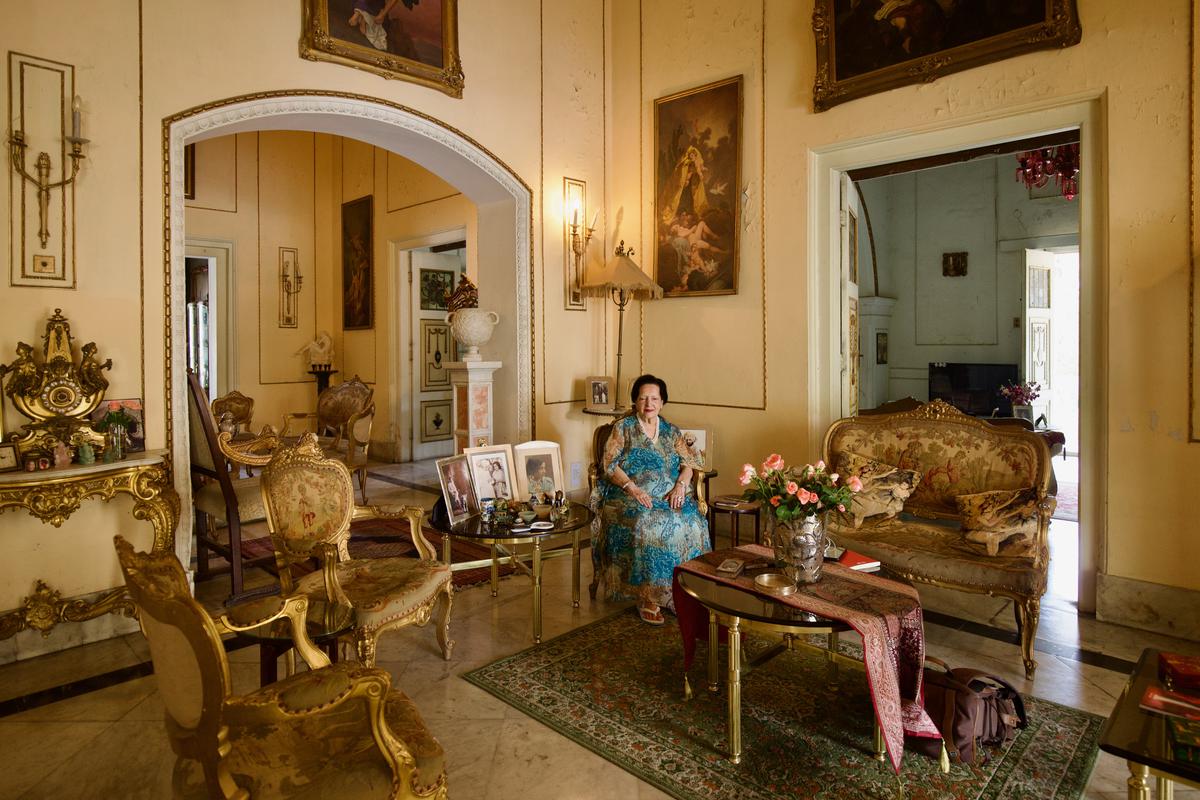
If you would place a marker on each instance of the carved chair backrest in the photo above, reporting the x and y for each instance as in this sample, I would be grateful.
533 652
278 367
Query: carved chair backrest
190 667
309 501
238 406
599 439
338 404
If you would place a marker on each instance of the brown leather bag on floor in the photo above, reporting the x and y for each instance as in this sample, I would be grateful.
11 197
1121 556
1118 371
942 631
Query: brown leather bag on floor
970 708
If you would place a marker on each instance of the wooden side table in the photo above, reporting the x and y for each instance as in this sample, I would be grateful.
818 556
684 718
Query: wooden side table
736 508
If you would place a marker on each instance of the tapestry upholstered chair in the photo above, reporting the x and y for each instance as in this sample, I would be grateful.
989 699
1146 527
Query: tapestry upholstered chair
309 501
342 423
218 494
238 406
334 731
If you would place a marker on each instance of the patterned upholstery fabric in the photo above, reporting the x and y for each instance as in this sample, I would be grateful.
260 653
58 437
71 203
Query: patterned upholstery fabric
208 498
885 488
382 589
1005 516
312 511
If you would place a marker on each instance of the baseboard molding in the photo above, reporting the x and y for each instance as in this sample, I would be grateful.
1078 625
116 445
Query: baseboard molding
1172 610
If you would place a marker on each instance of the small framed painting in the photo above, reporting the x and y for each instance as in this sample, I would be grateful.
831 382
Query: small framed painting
10 459
539 469
436 286
599 393
699 442
492 471
457 489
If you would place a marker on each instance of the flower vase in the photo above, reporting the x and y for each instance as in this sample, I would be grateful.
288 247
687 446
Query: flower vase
799 546
1023 411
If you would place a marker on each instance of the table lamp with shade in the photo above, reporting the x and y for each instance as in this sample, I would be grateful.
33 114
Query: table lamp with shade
623 280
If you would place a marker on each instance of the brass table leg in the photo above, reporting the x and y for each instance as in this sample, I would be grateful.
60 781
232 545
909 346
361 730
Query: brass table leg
1165 789
575 565
735 691
831 655
537 591
495 572
446 548
712 651
1138 785
879 745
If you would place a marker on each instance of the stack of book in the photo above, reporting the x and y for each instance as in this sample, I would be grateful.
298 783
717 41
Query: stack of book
858 561
1178 697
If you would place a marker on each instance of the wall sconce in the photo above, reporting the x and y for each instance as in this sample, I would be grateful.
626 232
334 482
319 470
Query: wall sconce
577 239
290 283
17 146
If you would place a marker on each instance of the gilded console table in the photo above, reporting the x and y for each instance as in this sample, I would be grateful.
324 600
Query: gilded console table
54 495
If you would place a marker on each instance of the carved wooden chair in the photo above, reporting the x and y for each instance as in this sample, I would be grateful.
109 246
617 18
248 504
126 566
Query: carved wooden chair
335 731
238 406
342 422
309 501
218 494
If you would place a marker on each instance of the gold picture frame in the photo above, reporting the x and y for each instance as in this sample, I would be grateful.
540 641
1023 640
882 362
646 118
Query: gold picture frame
417 44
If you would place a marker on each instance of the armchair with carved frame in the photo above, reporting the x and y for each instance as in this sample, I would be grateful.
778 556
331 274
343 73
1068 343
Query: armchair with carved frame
342 422
335 731
309 500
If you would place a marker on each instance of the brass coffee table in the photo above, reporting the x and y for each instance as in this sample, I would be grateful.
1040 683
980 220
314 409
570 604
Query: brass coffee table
503 540
740 610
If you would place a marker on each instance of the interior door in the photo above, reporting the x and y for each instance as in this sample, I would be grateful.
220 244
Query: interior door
432 347
1039 265
851 350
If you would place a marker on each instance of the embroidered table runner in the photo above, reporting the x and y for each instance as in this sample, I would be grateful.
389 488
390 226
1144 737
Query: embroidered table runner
886 613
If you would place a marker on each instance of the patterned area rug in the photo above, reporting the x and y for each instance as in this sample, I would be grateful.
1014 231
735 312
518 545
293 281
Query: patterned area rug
615 687
384 538
1068 502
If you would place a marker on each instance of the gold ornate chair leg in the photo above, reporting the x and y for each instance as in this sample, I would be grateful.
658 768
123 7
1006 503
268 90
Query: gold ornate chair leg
1028 611
364 644
443 623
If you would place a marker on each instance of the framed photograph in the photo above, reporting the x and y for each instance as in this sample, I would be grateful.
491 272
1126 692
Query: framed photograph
408 41
132 410
457 488
600 396
436 285
492 472
437 349
697 175
358 255
869 46
699 442
10 459
539 469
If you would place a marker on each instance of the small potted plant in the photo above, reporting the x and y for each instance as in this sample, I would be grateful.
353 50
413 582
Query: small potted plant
1022 396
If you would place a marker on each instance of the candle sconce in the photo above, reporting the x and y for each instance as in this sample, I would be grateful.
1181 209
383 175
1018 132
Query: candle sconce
578 237
290 283
43 166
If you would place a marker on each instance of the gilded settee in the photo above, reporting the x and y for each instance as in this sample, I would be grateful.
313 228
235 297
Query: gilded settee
956 455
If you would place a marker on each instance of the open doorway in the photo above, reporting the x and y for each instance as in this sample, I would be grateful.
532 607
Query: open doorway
208 316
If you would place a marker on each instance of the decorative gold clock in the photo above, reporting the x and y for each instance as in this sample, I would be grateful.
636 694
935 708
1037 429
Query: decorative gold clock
60 393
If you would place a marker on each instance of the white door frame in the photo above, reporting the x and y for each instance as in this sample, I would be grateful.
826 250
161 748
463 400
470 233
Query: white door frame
401 378
1085 112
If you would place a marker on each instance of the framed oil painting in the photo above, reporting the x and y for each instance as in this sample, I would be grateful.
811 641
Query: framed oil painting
454 473
539 469
699 442
409 40
697 172
435 286
492 471
358 255
869 46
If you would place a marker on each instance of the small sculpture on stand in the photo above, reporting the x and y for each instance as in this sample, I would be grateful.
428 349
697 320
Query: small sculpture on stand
471 325
320 359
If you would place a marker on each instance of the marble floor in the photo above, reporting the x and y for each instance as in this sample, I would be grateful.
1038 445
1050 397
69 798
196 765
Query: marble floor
110 742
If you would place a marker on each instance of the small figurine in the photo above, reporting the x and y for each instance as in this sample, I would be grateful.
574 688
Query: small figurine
559 499
62 454
87 455
91 376
26 376
320 351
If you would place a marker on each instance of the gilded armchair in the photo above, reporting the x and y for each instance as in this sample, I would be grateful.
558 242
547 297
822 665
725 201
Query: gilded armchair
309 500
342 422
218 493
238 406
334 731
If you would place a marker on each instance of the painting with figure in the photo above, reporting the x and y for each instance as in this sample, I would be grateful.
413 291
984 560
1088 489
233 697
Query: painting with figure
413 40
492 471
698 441
357 261
697 175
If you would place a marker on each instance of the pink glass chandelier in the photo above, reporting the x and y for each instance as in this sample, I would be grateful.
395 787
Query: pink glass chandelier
1035 168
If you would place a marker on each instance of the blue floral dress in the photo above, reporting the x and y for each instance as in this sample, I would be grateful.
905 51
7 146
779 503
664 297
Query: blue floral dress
636 549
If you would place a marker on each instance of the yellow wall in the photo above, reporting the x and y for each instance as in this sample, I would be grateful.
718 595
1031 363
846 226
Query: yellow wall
556 89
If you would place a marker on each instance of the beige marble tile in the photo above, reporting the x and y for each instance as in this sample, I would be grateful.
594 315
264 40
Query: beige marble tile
121 762
54 669
470 747
33 750
104 705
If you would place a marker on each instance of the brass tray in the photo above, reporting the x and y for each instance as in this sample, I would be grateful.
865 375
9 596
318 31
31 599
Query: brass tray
775 583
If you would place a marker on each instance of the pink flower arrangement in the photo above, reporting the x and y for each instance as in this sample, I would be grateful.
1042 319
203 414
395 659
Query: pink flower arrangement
797 492
1021 394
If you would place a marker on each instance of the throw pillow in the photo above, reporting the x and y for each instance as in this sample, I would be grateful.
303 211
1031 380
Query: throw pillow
885 488
996 517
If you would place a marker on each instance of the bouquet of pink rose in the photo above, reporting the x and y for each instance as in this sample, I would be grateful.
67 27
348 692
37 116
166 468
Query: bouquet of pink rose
797 492
1021 394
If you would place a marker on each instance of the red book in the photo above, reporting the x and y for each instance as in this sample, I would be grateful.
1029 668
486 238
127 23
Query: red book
858 561
1179 671
1173 704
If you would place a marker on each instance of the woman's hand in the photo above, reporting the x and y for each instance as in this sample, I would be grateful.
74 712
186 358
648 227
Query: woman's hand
676 495
639 494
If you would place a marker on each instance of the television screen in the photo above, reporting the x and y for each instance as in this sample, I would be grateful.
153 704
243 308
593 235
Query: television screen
972 388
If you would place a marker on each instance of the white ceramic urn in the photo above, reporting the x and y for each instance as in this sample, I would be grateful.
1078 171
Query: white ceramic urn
472 327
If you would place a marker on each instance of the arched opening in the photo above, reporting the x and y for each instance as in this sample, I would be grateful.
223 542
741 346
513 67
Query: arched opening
504 208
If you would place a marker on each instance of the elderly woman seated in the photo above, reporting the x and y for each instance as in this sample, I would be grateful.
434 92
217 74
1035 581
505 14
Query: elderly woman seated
649 520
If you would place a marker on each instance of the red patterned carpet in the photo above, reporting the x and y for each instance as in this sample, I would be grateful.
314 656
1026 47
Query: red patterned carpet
1068 502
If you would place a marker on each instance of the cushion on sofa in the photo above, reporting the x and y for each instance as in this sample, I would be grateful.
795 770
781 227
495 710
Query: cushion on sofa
883 495
1003 516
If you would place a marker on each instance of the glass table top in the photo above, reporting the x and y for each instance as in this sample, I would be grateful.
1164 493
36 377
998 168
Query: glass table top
324 621
578 516
727 599
1141 736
